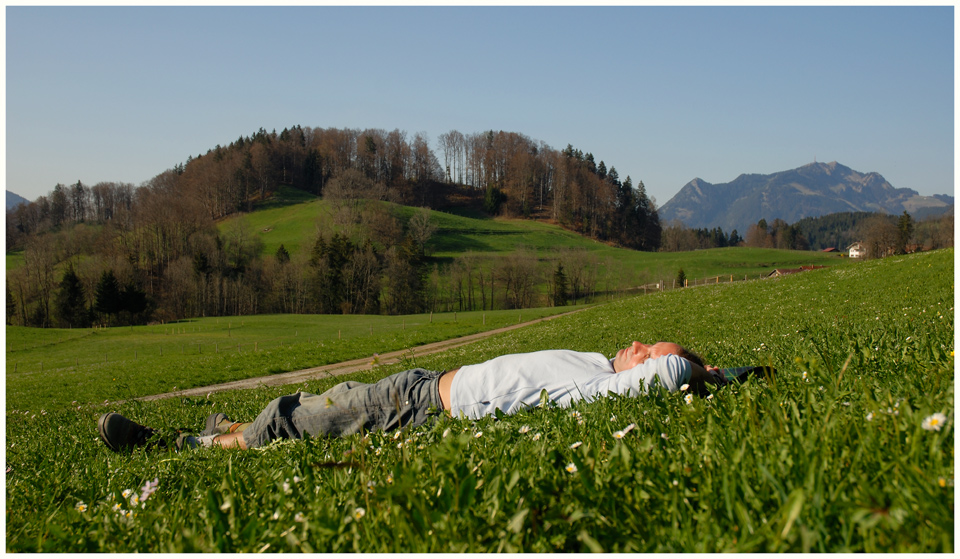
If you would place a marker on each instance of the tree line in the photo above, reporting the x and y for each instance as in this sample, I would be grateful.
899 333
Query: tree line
113 253
882 234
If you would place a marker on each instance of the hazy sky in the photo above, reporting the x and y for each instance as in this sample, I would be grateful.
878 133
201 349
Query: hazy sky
662 94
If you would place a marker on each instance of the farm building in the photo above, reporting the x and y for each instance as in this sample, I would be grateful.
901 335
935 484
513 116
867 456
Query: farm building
857 250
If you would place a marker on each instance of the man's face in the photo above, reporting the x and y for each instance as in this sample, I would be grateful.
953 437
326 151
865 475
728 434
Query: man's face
636 353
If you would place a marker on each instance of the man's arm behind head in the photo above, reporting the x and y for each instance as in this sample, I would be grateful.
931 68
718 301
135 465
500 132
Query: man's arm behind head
702 378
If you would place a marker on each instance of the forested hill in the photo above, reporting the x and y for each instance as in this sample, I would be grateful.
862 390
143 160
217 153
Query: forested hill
505 173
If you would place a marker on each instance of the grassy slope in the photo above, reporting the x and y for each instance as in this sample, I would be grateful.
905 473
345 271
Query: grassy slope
831 456
295 227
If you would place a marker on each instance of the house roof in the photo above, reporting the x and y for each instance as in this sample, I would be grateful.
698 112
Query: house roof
784 271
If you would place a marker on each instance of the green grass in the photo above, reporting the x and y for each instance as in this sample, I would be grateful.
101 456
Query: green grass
14 260
295 225
829 456
292 219
74 365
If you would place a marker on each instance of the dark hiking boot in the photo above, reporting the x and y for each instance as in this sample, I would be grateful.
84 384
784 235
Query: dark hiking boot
120 434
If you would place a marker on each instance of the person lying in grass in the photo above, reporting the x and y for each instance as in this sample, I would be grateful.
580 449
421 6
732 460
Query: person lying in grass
411 398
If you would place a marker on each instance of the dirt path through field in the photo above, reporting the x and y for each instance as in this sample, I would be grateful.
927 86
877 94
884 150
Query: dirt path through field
344 367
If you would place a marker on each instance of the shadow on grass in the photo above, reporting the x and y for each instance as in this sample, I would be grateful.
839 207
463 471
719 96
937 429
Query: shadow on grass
286 196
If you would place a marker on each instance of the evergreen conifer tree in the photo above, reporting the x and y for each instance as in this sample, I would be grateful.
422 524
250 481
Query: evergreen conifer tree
107 294
71 302
559 286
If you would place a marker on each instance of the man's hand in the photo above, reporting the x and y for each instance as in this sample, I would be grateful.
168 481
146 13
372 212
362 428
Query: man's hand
701 377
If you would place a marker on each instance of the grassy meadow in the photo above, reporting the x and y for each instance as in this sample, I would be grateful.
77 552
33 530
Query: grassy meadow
294 223
143 360
849 448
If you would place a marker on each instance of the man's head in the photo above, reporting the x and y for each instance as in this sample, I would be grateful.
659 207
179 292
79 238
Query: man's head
636 353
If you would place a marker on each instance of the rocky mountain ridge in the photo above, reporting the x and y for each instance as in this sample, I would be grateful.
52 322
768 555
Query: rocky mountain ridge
809 191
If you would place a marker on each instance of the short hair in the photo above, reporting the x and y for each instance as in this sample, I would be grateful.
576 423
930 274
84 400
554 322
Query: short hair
691 356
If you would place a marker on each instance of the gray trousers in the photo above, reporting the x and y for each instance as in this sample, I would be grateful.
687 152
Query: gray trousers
406 399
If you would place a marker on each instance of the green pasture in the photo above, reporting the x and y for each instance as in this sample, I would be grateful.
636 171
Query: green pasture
90 365
843 450
295 226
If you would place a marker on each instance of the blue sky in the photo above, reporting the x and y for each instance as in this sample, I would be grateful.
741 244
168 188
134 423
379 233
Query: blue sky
664 94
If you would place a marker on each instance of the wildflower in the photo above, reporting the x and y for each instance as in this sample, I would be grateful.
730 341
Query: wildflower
870 416
684 387
389 478
359 513
688 398
276 515
675 483
296 479
445 433
572 468
576 444
524 429
396 435
148 489
934 422
299 517
621 434
116 507
82 507
536 436
664 436
710 397
941 482
804 376
126 493
134 500
478 434
613 418
286 486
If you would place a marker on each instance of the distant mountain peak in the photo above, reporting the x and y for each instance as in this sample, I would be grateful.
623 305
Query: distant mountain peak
811 190
14 200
